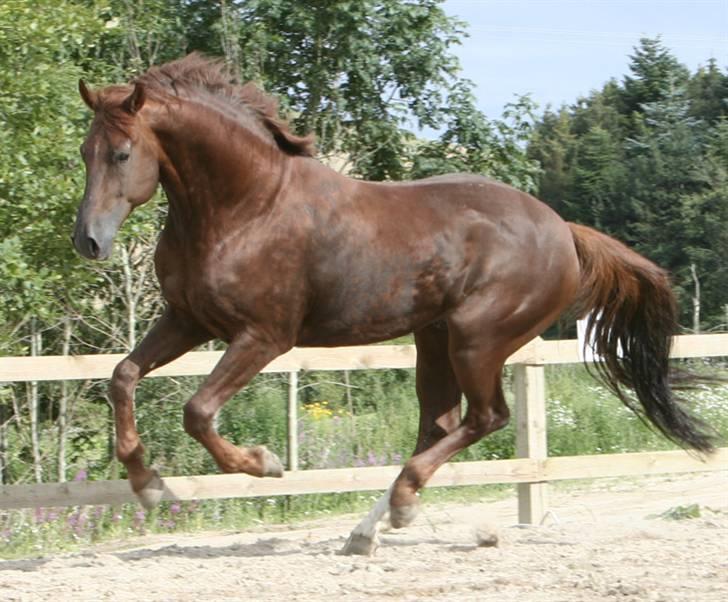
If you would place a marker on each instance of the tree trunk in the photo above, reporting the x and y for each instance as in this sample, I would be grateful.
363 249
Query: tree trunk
3 445
63 407
696 299
35 349
131 299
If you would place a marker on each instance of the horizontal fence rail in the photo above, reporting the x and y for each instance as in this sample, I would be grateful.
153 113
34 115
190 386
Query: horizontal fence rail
366 357
337 480
531 471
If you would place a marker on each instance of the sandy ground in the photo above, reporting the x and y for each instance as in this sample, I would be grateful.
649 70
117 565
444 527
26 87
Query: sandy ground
601 542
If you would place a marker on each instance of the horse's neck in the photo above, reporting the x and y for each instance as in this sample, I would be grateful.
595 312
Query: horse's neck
206 176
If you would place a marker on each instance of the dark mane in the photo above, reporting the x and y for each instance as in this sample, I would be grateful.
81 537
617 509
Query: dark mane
197 72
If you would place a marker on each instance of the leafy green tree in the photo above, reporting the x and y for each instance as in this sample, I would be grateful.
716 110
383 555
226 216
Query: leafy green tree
41 178
356 73
472 143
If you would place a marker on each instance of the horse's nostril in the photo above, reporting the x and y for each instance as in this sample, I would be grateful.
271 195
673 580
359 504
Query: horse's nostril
93 247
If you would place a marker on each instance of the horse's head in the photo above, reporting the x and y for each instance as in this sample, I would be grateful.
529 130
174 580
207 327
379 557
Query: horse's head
122 166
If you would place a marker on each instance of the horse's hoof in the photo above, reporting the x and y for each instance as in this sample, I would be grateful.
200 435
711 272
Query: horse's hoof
270 464
151 494
360 544
402 516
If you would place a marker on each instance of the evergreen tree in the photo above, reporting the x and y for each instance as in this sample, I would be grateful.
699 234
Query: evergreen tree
708 93
655 73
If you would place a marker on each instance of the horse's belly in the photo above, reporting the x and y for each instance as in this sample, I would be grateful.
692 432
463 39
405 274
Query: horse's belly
354 315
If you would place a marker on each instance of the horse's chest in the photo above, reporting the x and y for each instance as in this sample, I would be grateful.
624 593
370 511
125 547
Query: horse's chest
190 285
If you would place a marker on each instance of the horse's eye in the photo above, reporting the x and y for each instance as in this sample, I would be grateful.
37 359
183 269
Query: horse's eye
121 157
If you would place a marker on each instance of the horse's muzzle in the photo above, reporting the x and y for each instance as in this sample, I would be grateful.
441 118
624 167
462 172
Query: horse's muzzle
92 246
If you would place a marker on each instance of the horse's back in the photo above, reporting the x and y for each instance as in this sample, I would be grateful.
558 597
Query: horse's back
388 258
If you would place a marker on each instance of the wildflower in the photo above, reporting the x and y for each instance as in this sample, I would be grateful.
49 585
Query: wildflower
175 508
81 475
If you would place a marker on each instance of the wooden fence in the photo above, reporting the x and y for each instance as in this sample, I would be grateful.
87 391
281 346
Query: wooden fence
530 471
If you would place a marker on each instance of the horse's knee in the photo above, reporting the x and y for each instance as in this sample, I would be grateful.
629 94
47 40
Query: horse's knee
123 380
197 419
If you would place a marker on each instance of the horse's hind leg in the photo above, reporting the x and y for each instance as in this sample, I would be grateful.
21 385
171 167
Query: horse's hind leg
478 348
483 333
439 396
170 337
486 412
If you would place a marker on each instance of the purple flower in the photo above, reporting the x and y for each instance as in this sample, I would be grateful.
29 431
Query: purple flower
372 459
175 508
81 475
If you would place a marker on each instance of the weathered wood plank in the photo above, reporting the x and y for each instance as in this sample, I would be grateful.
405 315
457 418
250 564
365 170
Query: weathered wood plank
363 357
530 406
522 470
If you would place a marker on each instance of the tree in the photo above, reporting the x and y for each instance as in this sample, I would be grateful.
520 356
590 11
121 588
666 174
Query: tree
708 93
356 73
599 181
655 73
472 143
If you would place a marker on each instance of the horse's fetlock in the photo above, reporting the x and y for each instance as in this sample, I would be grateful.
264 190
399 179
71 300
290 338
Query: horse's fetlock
129 452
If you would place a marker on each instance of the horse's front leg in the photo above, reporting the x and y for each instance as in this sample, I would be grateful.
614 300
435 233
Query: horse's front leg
170 337
247 354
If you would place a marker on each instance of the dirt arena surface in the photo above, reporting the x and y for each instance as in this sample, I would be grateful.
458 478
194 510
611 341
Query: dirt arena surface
601 542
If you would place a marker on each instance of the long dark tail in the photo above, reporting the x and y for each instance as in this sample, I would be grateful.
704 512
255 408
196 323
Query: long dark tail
632 320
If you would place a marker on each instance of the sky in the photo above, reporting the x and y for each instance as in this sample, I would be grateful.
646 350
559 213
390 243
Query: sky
558 50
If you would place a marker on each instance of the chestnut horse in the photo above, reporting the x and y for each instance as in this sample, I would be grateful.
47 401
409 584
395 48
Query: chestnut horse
265 248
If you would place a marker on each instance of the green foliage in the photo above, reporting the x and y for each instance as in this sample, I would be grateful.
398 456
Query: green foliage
685 512
655 73
40 173
352 72
644 161
472 143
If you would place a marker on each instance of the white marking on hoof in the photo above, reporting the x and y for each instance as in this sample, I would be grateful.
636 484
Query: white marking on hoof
360 544
402 516
363 540
272 466
151 494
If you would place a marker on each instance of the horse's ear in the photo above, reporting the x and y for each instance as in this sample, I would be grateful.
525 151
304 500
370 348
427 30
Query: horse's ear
89 97
135 101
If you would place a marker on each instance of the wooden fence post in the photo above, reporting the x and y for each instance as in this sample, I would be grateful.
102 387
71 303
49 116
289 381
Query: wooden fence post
530 406
292 415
